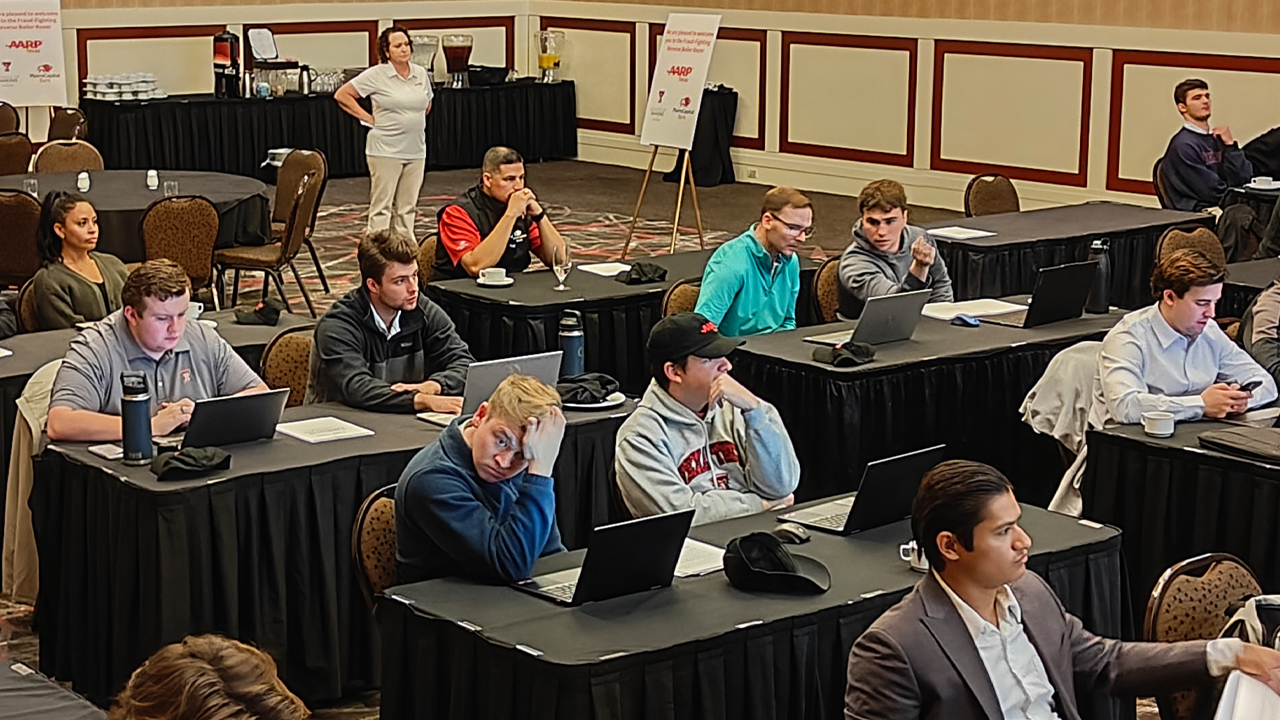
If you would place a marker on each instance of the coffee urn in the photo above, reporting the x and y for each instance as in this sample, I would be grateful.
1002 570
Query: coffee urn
226 65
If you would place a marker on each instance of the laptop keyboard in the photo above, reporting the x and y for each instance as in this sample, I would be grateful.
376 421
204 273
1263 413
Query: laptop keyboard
563 591
831 522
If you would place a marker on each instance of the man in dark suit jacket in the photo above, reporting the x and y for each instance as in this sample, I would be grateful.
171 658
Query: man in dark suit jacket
980 637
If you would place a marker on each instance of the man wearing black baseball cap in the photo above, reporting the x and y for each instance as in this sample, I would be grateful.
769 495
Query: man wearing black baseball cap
699 438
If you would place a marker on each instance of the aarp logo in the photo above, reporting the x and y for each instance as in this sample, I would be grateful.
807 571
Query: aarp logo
28 45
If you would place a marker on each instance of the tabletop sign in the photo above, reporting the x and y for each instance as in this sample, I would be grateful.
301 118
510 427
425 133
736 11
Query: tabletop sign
675 92
32 67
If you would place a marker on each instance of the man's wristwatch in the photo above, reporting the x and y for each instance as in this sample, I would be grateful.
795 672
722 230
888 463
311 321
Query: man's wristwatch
538 218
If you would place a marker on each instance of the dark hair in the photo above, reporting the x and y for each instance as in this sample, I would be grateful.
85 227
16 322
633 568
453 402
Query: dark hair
160 279
53 211
384 42
658 370
1182 270
380 248
953 497
1181 90
882 196
498 156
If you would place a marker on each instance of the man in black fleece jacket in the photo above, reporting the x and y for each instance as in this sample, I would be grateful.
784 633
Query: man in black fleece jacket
384 347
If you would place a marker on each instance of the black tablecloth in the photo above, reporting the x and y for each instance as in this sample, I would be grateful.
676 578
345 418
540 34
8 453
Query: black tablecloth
121 196
710 158
261 553
1176 500
524 317
1007 263
1244 281
700 648
948 384
200 132
27 695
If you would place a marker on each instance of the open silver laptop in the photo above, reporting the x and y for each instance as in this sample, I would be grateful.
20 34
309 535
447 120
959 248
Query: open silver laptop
484 377
888 488
229 420
885 319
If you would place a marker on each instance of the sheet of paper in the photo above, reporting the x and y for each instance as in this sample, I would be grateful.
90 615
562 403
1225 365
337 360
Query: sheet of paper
973 308
955 232
5 352
322 429
1262 417
1245 697
699 558
831 338
262 43
608 269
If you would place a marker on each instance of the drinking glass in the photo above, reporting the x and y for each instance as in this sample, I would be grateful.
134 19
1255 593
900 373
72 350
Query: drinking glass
561 264
31 186
170 188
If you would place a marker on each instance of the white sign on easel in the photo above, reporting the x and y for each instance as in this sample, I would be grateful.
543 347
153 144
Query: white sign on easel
32 66
675 92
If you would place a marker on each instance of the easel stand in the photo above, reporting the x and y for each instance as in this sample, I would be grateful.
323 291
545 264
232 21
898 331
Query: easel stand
685 172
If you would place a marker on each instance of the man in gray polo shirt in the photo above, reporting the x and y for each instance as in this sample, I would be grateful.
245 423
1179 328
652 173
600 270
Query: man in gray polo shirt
183 363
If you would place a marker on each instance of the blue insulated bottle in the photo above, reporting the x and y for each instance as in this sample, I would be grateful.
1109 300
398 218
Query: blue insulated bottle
572 343
135 418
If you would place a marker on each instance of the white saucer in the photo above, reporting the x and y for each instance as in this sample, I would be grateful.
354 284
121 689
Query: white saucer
210 323
1159 435
613 401
505 283
1272 186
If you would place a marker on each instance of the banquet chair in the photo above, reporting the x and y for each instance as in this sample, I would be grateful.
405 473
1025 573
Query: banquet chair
271 259
1058 406
184 229
427 259
1193 600
1157 181
67 123
990 194
681 297
1198 238
826 290
296 164
373 544
15 153
61 156
26 307
19 258
9 120
286 362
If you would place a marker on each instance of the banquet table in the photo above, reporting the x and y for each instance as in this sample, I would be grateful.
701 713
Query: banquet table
1244 281
260 552
457 649
523 318
1007 262
120 197
948 384
27 695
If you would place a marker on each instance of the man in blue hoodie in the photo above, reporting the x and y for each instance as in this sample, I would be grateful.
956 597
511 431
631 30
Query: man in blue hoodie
480 501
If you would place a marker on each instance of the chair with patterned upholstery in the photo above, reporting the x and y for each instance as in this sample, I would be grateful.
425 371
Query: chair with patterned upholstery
373 544
15 153
681 297
990 194
9 119
271 259
296 164
62 156
1192 601
68 123
1198 238
826 292
1157 181
183 228
26 305
427 258
19 216
286 362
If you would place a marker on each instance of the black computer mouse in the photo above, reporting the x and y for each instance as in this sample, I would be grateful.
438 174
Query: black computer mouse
791 533
965 321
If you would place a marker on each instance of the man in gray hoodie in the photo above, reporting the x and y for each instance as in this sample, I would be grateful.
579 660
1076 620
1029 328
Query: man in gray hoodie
699 438
887 255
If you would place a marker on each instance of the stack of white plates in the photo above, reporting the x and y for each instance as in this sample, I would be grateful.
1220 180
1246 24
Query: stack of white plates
134 86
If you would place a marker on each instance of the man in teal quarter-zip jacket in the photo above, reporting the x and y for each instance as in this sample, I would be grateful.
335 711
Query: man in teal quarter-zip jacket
750 284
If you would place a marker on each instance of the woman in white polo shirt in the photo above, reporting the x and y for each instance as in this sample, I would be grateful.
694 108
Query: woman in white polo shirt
396 147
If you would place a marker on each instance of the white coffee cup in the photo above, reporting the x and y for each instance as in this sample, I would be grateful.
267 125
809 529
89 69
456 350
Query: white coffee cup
1157 424
194 308
909 552
493 276
1263 181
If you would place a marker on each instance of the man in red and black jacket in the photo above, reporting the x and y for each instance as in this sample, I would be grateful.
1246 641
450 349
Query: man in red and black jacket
497 223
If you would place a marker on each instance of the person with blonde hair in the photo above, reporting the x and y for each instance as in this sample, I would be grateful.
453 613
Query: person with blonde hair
481 500
207 677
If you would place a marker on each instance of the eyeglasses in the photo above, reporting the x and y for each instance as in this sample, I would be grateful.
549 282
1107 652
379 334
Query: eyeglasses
801 230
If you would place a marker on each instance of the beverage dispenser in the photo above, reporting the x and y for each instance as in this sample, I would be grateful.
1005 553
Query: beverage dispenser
226 65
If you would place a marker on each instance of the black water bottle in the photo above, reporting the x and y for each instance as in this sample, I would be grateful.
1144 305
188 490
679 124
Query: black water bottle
1099 301
135 418
572 343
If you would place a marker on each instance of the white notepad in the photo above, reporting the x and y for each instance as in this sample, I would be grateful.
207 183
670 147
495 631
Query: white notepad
972 308
955 232
699 558
608 269
322 429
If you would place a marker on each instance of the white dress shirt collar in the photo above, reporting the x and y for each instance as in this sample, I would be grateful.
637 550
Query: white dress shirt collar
382 326
1195 128
1007 608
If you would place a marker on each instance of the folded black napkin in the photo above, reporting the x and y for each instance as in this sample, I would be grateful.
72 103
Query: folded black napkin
642 272
586 389
846 354
266 312
189 463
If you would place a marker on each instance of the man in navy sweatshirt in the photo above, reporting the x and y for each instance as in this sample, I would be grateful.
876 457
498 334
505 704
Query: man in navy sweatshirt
480 501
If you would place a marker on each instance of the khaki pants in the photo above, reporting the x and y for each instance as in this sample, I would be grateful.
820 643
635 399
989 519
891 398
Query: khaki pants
394 185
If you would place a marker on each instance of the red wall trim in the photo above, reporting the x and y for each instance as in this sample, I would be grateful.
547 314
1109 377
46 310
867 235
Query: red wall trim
368 27
508 23
627 28
786 145
756 36
84 35
942 48
1121 58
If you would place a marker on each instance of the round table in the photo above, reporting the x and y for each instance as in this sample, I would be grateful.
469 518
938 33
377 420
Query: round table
121 196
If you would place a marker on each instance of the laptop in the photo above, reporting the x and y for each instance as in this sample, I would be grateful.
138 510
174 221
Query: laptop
884 319
1060 294
485 377
888 488
622 559
230 420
